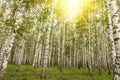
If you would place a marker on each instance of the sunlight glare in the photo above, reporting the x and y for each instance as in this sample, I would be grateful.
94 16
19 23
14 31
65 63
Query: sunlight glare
73 7
71 10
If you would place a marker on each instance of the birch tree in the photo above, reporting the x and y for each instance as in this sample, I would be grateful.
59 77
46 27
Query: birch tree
110 32
116 35
8 43
19 53
46 54
37 50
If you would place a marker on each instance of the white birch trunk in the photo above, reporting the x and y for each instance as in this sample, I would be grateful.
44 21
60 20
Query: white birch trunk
20 52
51 47
45 57
36 50
7 46
116 35
70 61
46 54
89 48
5 53
59 45
110 32
40 54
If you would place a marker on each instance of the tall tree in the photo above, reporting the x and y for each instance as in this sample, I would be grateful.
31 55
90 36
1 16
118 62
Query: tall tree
46 54
110 32
20 52
8 43
37 50
116 35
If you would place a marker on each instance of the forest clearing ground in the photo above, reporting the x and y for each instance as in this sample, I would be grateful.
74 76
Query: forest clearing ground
26 73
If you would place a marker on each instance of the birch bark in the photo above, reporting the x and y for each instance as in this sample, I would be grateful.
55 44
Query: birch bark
116 35
7 46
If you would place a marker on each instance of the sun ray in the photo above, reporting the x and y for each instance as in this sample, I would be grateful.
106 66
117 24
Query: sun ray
73 8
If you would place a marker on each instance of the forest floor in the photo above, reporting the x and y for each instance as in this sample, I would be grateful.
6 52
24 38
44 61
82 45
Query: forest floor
26 73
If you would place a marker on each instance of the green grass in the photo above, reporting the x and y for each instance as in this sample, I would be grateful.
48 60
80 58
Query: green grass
26 73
